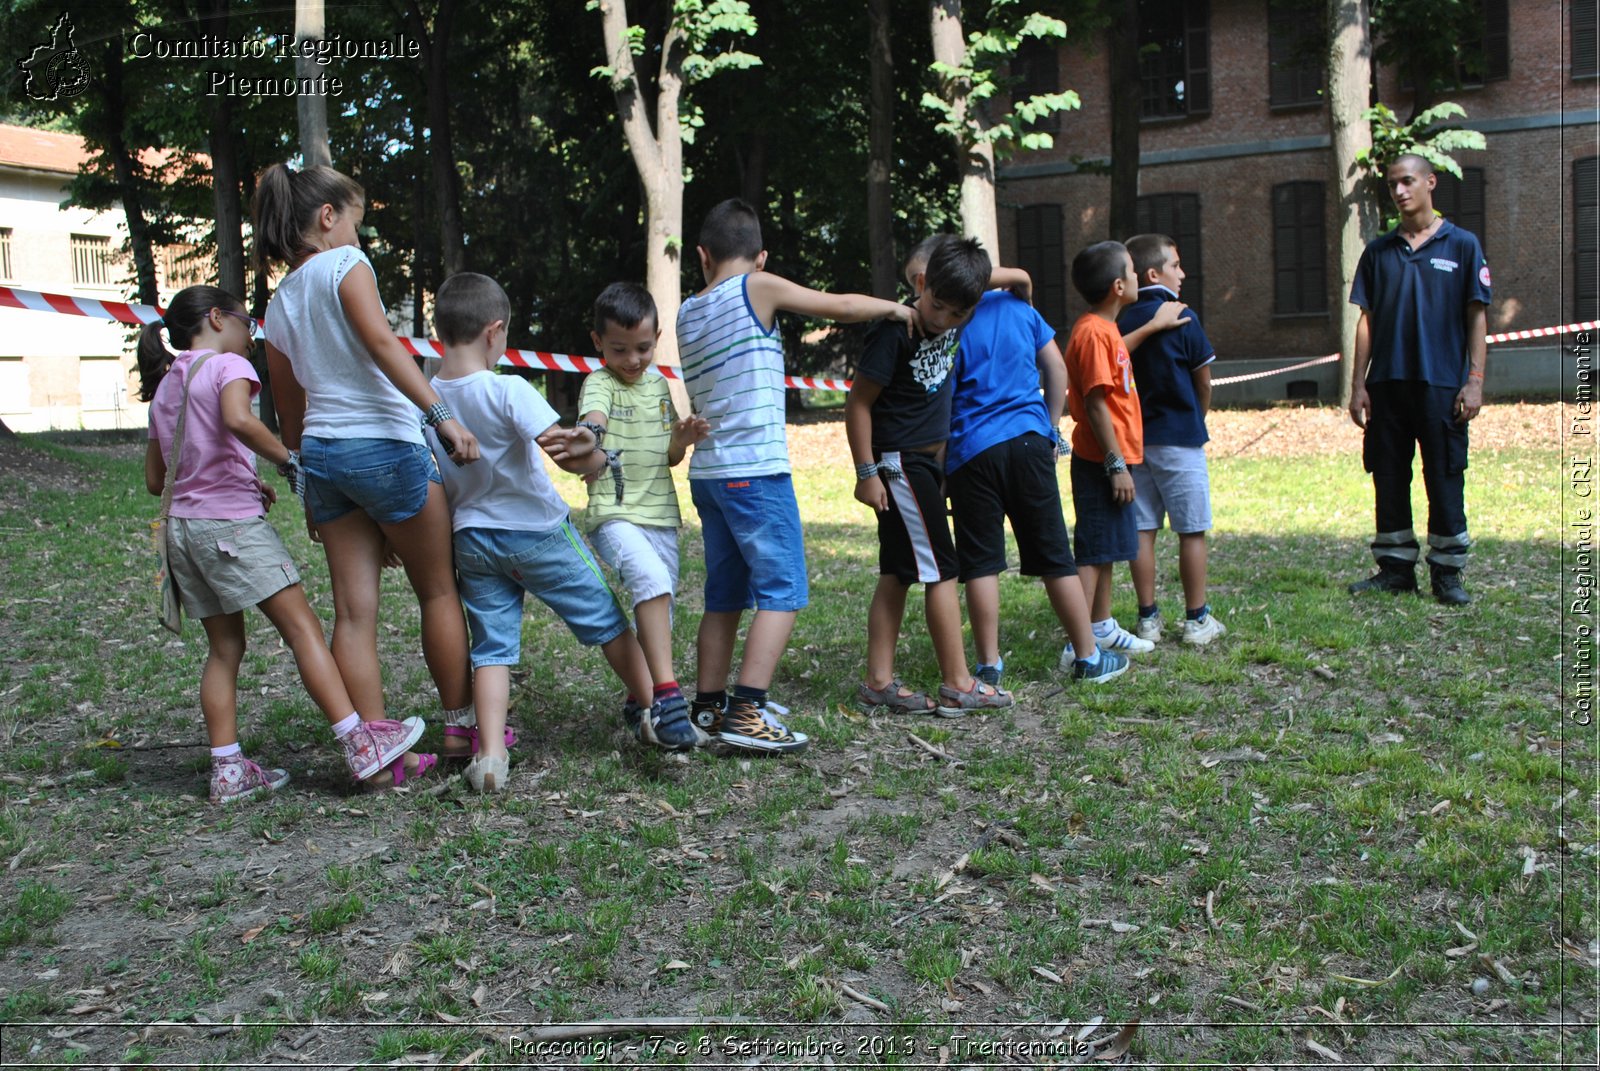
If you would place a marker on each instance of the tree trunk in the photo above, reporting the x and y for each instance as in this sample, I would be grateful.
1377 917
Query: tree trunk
435 58
880 156
127 173
974 158
224 168
1349 88
658 155
310 24
1123 52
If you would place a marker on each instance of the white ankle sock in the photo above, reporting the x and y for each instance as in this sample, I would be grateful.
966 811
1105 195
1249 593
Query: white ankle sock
342 729
227 751
1104 628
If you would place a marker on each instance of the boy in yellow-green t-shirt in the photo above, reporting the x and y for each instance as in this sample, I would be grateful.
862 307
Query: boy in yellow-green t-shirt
633 518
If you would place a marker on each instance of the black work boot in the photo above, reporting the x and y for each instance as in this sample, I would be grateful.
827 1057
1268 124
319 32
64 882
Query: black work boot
1393 577
1447 587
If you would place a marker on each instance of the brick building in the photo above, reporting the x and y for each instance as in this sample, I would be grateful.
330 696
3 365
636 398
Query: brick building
1235 163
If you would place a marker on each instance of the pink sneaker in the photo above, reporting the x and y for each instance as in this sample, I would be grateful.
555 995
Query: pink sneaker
376 744
237 778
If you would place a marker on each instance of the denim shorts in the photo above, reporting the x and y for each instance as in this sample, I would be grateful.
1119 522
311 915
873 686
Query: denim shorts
387 479
1105 530
645 556
1172 480
755 550
496 566
221 567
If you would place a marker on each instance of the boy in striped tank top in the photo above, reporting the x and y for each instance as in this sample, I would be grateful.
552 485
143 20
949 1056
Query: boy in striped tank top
732 359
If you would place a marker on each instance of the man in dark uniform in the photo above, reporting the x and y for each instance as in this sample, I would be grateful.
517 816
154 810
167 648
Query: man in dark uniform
1417 379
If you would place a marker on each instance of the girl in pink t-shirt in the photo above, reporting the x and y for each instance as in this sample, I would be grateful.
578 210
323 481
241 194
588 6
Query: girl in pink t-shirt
223 554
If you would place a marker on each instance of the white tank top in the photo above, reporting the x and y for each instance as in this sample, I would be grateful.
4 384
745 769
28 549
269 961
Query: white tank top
733 370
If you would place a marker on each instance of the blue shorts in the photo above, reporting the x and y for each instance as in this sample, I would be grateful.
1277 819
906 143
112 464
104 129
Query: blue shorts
1105 531
755 551
495 567
1172 480
387 479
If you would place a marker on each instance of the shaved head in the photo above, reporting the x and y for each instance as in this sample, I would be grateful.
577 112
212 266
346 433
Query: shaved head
1413 162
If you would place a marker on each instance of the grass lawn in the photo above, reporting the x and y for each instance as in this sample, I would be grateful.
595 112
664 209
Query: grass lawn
1357 827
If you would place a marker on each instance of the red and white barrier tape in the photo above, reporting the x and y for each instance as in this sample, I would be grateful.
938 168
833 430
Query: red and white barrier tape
539 360
1225 380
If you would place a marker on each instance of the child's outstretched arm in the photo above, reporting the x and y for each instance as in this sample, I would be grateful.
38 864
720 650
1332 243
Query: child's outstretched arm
245 426
572 449
358 294
685 433
870 490
288 397
1053 379
1015 280
771 294
1168 316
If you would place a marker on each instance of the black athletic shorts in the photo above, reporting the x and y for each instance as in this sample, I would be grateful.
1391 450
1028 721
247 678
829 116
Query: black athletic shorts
1015 479
913 534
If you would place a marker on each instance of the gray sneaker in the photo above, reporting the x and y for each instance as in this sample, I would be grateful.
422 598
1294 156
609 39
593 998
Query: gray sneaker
374 745
237 778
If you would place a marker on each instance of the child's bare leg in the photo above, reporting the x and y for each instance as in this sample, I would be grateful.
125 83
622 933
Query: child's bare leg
291 615
983 610
219 681
884 618
354 546
1066 599
491 694
423 543
714 649
1192 568
944 625
1096 581
654 617
765 644
1143 568
628 662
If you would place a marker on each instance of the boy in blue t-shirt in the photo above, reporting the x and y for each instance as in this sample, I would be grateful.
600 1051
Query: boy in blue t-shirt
1173 370
1001 463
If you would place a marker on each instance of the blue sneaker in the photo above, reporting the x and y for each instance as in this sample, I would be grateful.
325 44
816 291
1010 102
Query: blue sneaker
671 728
1111 665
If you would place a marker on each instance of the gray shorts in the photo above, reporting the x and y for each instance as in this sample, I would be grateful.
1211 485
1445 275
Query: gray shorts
1173 480
223 566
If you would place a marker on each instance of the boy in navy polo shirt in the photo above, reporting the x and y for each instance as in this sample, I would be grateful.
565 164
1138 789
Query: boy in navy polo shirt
1417 379
1173 370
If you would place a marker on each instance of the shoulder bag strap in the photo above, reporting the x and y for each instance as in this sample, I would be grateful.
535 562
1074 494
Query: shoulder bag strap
177 434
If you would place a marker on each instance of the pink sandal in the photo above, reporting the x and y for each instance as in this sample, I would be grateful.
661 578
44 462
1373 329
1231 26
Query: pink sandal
470 734
397 772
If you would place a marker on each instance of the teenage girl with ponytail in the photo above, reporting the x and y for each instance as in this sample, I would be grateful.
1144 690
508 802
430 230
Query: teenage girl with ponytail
223 554
351 401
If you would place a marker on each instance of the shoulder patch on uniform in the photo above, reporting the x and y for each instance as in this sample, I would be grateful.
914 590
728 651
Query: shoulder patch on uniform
1483 275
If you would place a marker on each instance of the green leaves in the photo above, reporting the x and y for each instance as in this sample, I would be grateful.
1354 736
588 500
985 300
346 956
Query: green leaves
1392 138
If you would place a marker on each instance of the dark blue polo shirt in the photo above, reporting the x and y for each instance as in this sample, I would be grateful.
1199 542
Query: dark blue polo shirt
1163 370
1416 302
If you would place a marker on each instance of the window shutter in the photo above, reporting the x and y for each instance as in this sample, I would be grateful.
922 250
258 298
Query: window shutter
1177 215
1586 247
1039 253
1496 40
1585 62
1197 56
1039 67
1299 248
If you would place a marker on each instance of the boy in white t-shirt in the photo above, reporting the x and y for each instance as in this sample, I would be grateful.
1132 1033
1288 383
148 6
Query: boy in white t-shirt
512 533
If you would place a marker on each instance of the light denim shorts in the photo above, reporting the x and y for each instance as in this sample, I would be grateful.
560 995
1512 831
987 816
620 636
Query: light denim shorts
645 556
387 479
496 567
1173 480
755 550
221 567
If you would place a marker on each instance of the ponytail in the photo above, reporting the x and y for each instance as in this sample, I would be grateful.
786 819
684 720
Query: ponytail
285 208
183 318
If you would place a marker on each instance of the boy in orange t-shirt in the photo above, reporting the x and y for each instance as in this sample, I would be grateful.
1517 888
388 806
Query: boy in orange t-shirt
1109 432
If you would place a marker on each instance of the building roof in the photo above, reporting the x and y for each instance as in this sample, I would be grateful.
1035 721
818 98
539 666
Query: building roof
41 150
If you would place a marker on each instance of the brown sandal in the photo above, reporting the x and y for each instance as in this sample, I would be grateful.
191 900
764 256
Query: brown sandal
894 698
